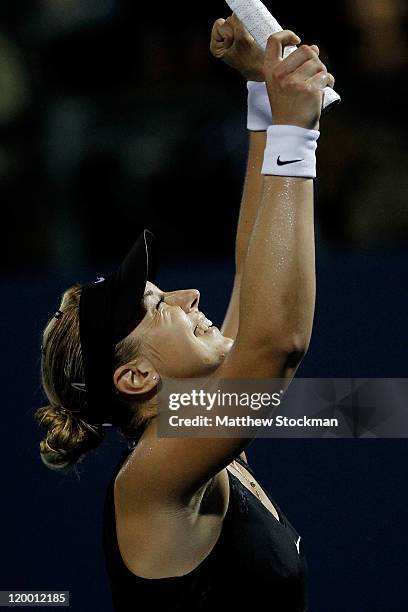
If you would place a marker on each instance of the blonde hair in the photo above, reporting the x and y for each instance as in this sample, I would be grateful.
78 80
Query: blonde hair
69 436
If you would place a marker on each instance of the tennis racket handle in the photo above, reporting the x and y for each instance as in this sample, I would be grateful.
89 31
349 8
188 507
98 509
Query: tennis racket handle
261 24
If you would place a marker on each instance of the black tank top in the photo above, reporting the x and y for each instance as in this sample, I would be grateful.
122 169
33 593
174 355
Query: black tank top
257 561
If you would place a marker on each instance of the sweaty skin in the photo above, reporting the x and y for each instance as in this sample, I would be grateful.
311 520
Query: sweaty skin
161 529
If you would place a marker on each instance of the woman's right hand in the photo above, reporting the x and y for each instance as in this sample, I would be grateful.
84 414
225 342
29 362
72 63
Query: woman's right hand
295 84
232 43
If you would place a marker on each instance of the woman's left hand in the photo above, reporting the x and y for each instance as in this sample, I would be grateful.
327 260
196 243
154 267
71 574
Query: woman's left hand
232 43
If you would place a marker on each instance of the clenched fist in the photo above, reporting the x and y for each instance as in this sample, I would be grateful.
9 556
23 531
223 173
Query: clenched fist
232 43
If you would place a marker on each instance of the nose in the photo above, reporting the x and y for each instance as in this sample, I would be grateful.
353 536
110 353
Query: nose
187 299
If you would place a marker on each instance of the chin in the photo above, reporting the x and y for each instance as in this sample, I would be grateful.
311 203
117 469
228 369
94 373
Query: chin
225 349
229 343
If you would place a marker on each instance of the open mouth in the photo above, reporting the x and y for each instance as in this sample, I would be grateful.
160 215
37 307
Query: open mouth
202 327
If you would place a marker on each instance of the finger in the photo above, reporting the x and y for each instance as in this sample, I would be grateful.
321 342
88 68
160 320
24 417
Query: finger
239 28
233 20
227 34
298 58
315 49
310 68
276 44
321 80
217 31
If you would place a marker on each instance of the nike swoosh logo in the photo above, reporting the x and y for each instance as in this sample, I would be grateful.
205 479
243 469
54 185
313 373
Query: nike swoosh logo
285 163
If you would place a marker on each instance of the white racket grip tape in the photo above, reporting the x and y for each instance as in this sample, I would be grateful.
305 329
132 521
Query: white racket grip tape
261 24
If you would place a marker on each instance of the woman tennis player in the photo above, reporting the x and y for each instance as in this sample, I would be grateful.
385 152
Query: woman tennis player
187 527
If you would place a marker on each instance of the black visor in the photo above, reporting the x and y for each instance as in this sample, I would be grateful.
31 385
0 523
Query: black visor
109 310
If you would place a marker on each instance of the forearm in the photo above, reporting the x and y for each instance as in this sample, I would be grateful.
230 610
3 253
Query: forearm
279 284
275 281
251 201
251 198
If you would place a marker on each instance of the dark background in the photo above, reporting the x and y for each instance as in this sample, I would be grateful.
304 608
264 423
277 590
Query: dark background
114 118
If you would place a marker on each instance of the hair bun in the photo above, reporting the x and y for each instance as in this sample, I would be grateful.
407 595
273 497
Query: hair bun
68 437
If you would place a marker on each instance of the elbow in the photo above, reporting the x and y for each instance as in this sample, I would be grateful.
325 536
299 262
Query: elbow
299 343
294 359
285 343
291 348
296 349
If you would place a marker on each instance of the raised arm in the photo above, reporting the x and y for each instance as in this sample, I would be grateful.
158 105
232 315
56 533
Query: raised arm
277 296
278 280
231 43
251 201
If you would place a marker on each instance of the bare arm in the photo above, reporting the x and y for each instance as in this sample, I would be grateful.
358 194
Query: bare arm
231 43
276 298
251 200
278 283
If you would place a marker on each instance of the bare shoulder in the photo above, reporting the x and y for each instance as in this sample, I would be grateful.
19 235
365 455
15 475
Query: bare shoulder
166 540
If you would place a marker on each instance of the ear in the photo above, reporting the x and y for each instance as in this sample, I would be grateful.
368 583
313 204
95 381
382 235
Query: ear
136 378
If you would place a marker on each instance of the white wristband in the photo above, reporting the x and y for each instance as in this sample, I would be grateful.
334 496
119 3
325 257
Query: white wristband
290 151
259 108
